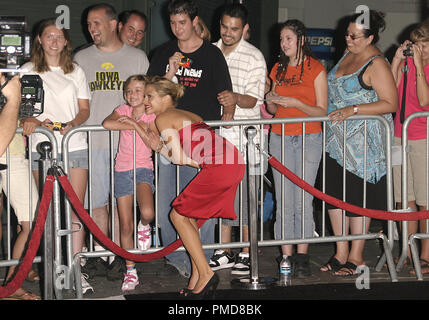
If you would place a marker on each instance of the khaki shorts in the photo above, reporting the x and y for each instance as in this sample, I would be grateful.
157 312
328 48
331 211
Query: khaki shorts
416 172
20 181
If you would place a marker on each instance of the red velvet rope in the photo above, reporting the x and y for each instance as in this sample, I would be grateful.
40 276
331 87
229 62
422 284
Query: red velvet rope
372 213
108 243
33 244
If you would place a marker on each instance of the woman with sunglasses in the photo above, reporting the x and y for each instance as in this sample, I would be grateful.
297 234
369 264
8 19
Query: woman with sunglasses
360 83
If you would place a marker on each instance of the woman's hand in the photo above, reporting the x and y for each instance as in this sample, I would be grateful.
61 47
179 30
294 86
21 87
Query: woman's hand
127 120
29 125
67 128
339 115
399 54
417 57
269 97
286 102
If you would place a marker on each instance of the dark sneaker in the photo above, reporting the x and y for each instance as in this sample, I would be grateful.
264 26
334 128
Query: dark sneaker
242 266
96 267
221 260
301 265
116 270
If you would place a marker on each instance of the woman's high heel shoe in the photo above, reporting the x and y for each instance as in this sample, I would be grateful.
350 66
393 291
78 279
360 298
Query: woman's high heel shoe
208 291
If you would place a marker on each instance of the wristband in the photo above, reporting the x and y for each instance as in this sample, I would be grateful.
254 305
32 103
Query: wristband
355 109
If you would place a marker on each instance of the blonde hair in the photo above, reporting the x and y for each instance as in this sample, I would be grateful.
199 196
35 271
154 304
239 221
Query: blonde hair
38 54
165 87
202 30
421 33
136 77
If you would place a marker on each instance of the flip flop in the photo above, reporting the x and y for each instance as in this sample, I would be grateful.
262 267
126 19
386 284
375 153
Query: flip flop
349 269
23 295
333 265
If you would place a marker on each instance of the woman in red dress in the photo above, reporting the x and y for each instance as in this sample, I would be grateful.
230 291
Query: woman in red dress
185 139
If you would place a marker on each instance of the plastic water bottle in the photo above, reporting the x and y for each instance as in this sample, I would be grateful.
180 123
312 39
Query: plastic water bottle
285 271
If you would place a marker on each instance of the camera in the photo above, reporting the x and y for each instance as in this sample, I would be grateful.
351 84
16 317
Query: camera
15 49
408 52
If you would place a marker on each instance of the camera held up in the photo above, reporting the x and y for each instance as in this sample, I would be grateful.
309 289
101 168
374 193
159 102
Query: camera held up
15 49
408 52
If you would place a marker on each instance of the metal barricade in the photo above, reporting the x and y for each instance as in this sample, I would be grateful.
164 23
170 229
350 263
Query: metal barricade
258 124
410 240
49 251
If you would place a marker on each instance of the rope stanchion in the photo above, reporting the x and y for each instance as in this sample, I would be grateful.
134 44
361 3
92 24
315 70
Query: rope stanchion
33 244
372 213
108 243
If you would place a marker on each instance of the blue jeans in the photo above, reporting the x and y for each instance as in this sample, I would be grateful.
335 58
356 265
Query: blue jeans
166 194
292 194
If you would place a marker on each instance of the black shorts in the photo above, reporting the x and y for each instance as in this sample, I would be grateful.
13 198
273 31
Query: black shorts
376 194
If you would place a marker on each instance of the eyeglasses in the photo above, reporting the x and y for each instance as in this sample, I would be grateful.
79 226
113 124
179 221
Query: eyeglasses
353 37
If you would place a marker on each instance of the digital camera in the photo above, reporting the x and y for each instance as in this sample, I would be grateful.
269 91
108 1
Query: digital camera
15 49
408 52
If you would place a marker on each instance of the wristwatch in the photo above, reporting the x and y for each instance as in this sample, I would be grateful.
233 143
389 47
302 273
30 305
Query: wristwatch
355 109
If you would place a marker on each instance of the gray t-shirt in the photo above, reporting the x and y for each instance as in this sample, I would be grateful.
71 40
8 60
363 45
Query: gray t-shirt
106 73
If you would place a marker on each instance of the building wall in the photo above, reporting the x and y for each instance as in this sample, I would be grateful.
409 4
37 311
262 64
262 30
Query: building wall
401 16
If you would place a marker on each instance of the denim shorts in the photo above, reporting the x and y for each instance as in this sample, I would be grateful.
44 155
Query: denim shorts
124 181
77 159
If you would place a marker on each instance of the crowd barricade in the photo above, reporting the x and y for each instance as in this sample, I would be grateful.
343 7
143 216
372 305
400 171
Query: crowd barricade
387 238
410 240
51 244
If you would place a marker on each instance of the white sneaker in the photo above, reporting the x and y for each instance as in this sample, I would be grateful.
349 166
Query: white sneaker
144 236
131 280
85 285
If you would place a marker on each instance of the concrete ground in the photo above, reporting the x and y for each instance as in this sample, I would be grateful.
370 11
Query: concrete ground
155 277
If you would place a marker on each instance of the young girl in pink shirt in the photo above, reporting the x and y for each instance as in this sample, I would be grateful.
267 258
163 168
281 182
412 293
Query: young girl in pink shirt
134 110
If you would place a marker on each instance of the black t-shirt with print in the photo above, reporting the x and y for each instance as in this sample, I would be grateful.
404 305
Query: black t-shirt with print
206 76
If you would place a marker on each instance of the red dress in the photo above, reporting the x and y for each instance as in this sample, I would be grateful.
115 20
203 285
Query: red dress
211 193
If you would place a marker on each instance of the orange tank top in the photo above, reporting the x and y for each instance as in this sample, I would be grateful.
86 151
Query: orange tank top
303 90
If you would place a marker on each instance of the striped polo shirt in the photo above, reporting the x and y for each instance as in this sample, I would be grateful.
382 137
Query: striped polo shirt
248 69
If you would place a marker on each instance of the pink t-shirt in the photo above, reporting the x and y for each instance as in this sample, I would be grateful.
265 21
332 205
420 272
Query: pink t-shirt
417 127
124 157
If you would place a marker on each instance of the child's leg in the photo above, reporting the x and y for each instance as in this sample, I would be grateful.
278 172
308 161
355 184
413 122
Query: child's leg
125 209
145 202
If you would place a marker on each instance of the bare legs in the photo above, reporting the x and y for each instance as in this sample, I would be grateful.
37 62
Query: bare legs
353 225
125 208
188 232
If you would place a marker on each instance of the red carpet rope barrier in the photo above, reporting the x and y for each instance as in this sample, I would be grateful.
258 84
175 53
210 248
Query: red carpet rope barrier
108 243
372 213
38 229
33 244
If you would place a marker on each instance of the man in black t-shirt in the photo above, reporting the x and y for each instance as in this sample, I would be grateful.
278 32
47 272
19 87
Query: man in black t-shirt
202 69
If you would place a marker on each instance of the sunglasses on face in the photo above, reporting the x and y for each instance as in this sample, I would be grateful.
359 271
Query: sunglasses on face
352 36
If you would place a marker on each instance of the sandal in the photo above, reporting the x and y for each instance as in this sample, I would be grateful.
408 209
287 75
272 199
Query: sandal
349 269
32 276
333 265
424 266
22 294
185 291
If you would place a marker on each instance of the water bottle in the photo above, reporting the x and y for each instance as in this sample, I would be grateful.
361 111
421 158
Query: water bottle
285 271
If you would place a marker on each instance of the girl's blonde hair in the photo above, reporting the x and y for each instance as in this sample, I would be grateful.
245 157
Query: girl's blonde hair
166 87
38 54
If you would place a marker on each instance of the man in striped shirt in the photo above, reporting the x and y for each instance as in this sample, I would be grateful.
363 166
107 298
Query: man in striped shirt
247 68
